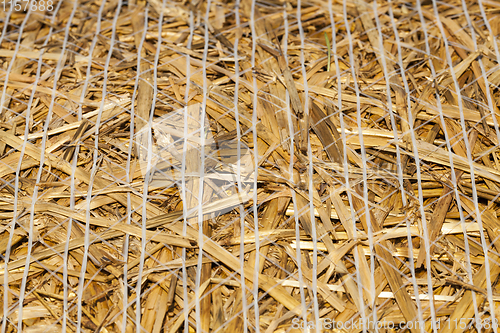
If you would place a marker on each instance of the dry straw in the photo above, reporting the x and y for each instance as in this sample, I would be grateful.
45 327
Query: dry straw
256 166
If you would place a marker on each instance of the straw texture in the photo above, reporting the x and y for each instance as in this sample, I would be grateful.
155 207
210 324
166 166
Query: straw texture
258 166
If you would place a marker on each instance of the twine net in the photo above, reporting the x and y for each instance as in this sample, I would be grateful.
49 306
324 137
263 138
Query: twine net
257 166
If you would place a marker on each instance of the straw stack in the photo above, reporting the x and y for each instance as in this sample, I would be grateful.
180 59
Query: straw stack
371 132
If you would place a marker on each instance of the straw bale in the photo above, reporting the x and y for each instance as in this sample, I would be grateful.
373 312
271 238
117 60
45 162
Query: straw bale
271 166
